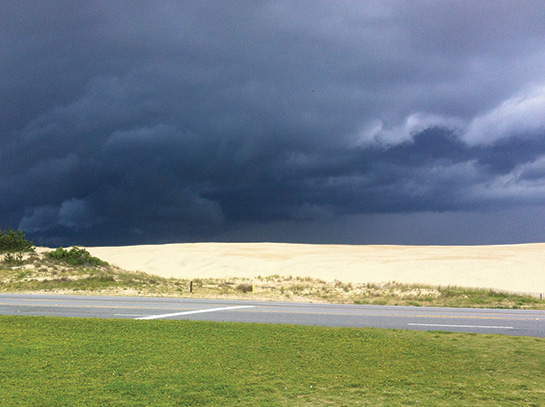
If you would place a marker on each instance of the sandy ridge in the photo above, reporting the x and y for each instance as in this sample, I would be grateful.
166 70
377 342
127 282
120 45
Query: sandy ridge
519 268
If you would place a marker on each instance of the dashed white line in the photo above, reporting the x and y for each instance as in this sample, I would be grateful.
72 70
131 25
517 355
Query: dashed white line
465 326
200 311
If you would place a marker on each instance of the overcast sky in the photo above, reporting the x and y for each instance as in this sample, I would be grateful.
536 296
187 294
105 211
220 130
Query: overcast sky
406 122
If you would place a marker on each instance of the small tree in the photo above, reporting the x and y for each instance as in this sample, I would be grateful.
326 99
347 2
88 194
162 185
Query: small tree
13 244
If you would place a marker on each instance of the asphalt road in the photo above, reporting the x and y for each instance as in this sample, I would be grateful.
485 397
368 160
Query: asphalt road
489 321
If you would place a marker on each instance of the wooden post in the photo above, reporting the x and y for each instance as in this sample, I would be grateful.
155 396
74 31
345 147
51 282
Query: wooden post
191 287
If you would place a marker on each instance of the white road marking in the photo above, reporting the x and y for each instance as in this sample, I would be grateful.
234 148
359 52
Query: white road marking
200 311
465 326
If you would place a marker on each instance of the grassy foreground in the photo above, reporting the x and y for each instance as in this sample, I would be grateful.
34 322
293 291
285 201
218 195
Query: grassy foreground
92 362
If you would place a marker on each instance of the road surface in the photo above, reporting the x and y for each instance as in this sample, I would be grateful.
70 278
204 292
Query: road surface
489 321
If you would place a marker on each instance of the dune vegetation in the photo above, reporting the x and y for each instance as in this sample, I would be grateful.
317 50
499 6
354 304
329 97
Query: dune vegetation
74 271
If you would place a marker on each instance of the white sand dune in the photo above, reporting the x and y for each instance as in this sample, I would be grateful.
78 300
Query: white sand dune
517 268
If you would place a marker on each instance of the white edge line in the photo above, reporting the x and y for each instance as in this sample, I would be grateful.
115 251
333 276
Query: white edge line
465 326
201 311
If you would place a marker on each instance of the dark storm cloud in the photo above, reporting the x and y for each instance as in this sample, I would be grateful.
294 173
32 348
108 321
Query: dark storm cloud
137 121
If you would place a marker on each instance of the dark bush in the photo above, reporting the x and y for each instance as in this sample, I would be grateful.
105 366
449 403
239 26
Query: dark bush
14 242
245 288
76 257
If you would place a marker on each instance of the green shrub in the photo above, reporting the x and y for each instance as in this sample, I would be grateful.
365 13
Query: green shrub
245 288
15 242
76 257
13 259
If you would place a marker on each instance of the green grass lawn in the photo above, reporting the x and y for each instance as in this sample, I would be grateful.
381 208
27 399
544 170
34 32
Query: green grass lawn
93 362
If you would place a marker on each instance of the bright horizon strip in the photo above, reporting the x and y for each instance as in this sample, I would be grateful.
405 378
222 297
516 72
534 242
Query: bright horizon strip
200 311
465 326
